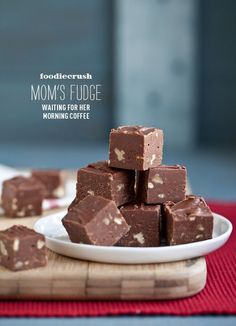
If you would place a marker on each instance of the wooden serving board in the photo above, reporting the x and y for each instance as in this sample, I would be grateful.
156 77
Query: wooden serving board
66 278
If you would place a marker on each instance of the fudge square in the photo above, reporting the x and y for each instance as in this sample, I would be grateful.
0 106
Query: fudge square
22 248
95 220
135 147
188 221
22 196
163 183
144 221
53 180
100 180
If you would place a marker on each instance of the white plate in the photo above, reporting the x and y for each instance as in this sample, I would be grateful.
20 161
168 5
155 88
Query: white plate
58 241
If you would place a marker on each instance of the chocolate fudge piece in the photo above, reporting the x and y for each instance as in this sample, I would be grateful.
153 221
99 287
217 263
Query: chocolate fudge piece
135 147
161 184
22 248
53 180
100 180
188 221
22 197
144 221
95 220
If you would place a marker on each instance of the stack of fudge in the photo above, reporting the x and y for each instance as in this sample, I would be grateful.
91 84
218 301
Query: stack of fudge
134 200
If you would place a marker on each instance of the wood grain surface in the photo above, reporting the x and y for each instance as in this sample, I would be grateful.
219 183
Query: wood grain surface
67 278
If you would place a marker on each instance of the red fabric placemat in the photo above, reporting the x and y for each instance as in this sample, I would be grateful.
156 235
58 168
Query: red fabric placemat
218 297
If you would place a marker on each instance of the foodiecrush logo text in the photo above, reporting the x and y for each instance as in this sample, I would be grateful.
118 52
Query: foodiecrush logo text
71 99
60 75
